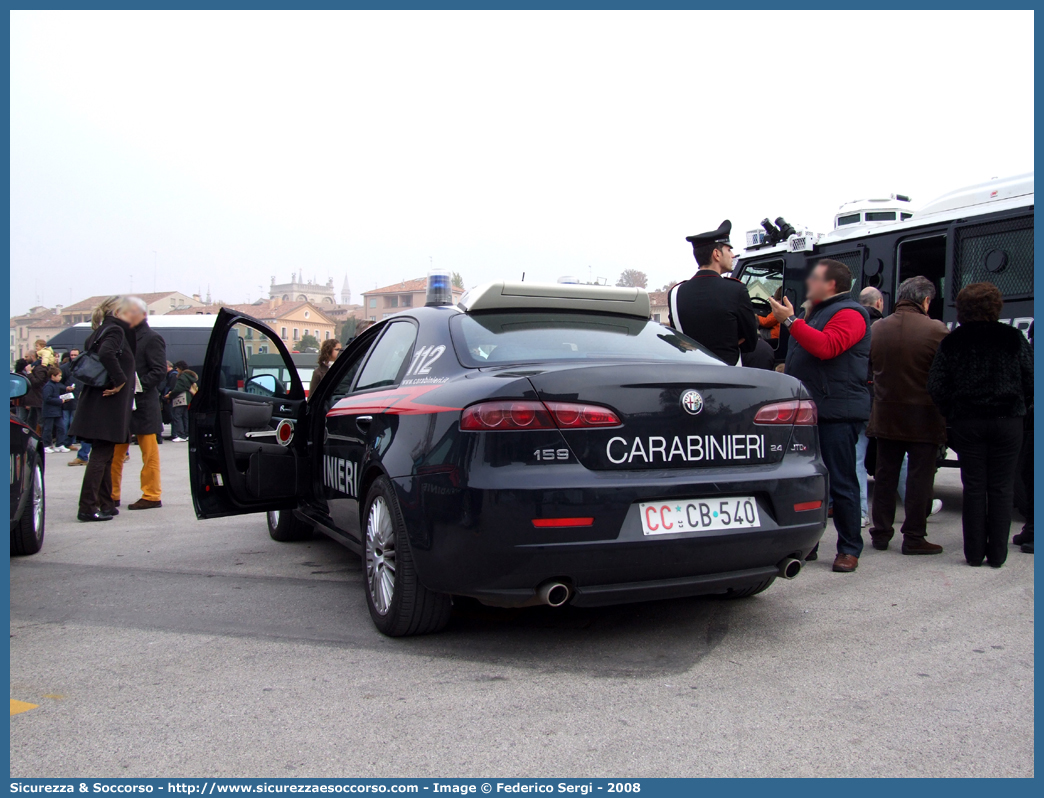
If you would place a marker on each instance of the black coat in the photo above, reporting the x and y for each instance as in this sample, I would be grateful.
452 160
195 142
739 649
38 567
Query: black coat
715 311
38 378
107 418
763 357
983 369
151 362
66 368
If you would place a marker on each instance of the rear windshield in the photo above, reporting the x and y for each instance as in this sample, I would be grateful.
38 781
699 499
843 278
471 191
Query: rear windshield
493 339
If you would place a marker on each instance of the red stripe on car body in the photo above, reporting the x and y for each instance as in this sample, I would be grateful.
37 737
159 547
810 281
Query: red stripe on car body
395 401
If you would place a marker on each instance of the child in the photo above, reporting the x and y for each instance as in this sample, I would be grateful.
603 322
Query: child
45 353
180 398
54 396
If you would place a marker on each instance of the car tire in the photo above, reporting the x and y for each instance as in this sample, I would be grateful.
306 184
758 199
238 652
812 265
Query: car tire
752 590
28 534
399 604
286 527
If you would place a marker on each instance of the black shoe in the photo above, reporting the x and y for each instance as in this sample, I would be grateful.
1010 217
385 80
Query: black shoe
1027 547
918 545
110 513
1019 538
93 517
144 504
116 504
879 543
813 555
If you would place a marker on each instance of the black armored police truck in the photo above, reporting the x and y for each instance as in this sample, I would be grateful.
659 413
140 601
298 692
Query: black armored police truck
981 233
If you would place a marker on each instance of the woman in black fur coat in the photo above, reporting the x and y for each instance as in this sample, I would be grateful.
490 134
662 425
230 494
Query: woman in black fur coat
982 381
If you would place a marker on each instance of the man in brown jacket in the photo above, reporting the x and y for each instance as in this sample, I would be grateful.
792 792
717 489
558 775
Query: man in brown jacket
904 419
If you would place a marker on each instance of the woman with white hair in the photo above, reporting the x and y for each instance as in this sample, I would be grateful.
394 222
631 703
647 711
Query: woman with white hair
103 415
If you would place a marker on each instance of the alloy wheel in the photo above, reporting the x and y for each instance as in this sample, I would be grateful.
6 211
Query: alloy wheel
380 556
38 502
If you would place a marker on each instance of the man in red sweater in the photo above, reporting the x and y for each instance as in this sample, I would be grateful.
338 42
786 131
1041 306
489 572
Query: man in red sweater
830 353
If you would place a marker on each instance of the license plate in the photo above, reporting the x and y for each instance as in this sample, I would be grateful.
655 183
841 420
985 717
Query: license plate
698 515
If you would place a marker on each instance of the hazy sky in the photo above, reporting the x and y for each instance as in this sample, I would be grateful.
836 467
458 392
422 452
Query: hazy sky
240 145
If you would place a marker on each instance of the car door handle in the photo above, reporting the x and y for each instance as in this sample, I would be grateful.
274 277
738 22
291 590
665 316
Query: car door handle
264 433
363 422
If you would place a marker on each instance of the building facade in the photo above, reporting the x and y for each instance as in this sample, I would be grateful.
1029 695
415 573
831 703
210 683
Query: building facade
380 303
291 321
39 322
297 290
658 306
159 303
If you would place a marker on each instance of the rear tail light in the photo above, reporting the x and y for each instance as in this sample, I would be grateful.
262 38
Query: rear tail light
506 416
522 415
803 507
800 412
571 416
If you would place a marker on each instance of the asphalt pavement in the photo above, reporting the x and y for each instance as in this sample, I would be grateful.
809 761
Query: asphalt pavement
159 645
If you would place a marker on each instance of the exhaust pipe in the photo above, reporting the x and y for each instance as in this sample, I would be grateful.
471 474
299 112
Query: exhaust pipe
789 568
554 594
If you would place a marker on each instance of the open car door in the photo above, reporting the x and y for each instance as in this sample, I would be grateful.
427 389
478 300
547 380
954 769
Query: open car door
245 453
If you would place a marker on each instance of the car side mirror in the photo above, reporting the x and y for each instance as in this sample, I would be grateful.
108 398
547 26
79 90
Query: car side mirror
265 385
19 386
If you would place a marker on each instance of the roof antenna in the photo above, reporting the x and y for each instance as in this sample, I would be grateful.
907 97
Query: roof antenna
523 276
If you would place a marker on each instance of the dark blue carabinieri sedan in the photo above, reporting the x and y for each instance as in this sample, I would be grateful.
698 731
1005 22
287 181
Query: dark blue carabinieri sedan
534 444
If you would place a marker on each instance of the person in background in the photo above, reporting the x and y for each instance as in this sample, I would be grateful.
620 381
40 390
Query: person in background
830 353
763 356
180 398
45 354
150 358
69 407
328 353
38 375
54 397
712 308
360 327
103 414
982 381
1024 539
83 453
904 419
27 357
168 385
871 299
770 322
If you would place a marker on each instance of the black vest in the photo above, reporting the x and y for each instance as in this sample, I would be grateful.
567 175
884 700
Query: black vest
838 385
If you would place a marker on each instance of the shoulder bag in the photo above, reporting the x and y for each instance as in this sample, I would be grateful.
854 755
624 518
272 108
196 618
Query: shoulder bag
88 368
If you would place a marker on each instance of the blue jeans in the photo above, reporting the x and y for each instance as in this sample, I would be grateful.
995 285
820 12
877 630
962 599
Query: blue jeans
837 441
861 446
53 430
85 451
67 416
179 425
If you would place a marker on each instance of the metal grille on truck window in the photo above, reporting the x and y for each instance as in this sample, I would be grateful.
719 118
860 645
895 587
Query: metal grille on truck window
853 260
999 252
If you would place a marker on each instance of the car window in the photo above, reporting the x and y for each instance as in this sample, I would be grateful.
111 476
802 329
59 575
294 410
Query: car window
388 357
345 369
763 279
509 338
233 360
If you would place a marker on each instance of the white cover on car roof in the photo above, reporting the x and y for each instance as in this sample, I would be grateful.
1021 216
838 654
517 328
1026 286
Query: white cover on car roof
556 296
